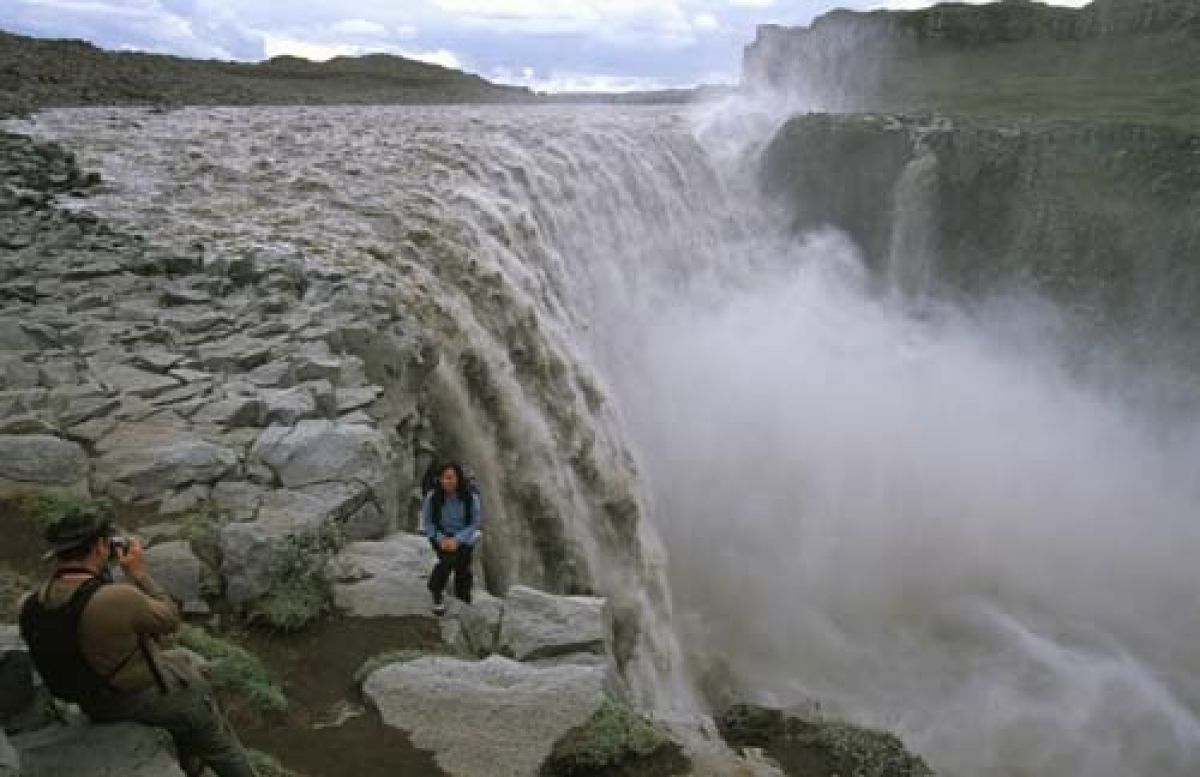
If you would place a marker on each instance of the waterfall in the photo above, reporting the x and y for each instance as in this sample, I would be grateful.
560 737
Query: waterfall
911 247
792 487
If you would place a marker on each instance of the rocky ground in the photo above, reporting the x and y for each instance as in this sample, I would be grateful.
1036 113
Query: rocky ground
38 72
259 421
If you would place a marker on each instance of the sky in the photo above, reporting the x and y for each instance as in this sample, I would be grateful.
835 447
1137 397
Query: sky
548 45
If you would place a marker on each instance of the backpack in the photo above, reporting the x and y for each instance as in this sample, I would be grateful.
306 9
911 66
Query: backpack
429 482
52 635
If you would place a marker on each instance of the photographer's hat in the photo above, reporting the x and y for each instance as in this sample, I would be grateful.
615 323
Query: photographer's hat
78 526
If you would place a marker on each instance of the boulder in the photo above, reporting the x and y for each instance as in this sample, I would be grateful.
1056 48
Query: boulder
479 622
388 578
322 451
120 750
41 459
541 625
514 712
149 460
250 549
176 568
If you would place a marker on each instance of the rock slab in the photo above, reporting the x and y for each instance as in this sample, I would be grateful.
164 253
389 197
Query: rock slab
514 712
540 625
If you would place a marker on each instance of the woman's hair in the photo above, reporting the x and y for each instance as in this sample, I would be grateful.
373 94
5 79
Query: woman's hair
463 490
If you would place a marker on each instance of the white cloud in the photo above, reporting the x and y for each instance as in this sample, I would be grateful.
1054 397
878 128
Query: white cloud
443 57
706 22
278 45
752 3
359 28
576 82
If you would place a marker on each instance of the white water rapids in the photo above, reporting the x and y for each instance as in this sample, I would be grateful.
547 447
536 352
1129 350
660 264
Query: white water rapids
925 522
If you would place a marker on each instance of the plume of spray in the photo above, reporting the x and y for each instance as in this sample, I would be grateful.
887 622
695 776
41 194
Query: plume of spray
919 515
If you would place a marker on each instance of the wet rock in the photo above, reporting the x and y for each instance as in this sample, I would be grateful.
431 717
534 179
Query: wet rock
542 625
373 579
41 459
150 460
120 750
436 699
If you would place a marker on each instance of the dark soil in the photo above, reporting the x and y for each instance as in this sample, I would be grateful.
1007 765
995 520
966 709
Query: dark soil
316 668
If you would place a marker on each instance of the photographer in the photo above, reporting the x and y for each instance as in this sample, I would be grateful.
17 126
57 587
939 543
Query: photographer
94 643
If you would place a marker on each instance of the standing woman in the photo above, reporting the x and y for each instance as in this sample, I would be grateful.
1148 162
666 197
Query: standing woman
450 517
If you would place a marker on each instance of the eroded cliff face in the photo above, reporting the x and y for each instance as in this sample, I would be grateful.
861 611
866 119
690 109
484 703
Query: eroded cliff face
1112 59
1105 217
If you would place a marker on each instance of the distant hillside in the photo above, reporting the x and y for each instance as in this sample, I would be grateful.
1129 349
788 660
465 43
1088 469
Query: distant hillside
36 72
1118 59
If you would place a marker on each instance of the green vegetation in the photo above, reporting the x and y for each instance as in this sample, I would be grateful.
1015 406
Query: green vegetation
819 748
266 766
614 741
298 593
400 656
44 507
235 672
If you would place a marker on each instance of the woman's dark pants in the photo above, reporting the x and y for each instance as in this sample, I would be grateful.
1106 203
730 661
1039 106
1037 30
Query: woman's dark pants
458 562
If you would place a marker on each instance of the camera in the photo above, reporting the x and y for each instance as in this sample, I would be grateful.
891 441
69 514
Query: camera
119 544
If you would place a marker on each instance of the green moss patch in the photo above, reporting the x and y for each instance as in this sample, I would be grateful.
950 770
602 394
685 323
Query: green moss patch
298 593
820 748
401 656
615 741
236 674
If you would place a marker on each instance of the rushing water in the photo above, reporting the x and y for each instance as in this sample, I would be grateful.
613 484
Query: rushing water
924 521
